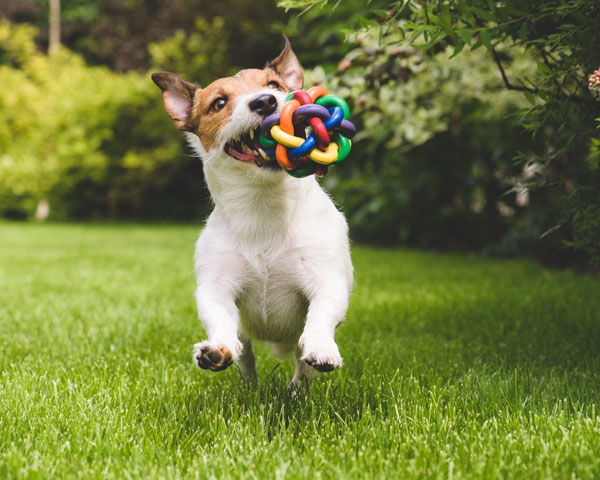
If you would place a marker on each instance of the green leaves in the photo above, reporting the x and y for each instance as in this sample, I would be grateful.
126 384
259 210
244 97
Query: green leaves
457 49
529 96
484 37
484 14
543 69
66 127
523 31
465 35
563 40
466 12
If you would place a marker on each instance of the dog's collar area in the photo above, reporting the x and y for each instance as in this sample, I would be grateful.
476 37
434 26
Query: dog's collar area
247 148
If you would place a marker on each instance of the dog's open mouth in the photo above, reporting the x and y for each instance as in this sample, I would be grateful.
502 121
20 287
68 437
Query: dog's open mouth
247 148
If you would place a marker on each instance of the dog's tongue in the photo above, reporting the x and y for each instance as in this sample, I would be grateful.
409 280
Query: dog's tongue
244 157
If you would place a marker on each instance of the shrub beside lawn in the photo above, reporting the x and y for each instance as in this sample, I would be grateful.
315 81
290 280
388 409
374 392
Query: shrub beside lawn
455 365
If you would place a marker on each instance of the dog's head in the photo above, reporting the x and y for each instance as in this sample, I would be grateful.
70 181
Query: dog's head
227 115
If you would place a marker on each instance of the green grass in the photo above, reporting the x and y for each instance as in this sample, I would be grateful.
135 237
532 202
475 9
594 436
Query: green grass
455 366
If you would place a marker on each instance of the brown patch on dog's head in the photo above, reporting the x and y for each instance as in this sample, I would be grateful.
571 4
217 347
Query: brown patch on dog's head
213 114
205 111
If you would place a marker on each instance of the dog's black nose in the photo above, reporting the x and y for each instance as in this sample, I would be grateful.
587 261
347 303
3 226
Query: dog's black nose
264 104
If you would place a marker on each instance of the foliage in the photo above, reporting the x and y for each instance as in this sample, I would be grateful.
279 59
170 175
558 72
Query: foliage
453 366
563 39
431 163
200 57
82 137
442 90
318 37
215 47
117 33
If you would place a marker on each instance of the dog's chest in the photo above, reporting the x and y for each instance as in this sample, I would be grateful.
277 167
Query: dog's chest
272 305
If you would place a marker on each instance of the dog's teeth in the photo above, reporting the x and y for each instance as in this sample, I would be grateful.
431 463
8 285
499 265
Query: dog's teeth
246 149
251 134
263 154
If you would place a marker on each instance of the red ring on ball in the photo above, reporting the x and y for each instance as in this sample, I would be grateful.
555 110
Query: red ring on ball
317 124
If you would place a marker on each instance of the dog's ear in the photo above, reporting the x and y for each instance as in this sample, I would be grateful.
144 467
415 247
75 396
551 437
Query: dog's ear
287 66
177 97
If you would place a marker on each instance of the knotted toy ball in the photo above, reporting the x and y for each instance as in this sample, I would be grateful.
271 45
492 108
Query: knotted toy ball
311 133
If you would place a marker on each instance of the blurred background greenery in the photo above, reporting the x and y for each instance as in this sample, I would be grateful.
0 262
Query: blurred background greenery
477 127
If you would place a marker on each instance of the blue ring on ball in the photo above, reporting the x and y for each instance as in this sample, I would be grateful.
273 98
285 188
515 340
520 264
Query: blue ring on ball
336 114
336 117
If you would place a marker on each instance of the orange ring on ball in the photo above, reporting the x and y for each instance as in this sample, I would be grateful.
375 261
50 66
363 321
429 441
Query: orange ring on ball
284 161
285 122
316 92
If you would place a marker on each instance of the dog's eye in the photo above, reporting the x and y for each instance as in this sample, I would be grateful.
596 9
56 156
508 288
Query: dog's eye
218 104
273 84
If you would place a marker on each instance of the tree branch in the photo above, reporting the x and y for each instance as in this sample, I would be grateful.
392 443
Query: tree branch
54 28
522 88
507 84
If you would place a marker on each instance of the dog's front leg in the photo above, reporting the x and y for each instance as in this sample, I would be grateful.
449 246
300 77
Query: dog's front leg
327 308
215 299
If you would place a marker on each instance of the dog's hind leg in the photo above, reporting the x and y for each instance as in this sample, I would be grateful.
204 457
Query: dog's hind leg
246 361
303 373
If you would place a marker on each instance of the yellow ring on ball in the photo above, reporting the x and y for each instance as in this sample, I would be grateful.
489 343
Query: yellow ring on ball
327 157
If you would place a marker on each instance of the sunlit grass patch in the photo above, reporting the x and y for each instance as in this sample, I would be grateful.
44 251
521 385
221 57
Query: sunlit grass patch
454 366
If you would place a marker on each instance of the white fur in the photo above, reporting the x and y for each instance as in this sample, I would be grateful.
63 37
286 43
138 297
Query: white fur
273 262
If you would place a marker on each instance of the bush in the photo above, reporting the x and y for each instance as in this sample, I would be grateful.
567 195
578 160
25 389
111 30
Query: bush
87 140
555 167
432 161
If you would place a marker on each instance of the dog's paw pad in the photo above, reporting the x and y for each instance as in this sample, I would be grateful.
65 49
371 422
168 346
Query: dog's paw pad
211 357
323 363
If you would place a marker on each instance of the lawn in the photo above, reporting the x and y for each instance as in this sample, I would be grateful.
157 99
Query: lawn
455 366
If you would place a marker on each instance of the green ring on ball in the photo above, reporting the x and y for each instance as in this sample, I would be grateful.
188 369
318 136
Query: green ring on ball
344 147
303 171
334 101
265 142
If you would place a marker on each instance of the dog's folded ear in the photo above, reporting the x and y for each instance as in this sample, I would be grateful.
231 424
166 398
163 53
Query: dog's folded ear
287 66
177 97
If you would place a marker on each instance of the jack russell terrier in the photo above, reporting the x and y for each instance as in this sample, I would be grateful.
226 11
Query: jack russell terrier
273 262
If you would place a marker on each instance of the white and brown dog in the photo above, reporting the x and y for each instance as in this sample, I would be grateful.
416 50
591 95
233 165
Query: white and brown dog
273 262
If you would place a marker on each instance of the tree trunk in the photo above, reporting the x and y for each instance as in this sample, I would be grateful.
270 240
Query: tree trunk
54 39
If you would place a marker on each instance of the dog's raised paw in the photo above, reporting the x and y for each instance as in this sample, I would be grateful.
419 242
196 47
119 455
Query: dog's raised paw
323 362
321 354
212 357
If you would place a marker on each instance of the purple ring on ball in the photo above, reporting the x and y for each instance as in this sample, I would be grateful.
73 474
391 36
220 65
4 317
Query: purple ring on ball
347 128
268 124
309 111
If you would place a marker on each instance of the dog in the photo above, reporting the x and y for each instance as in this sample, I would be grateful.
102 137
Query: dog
273 261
